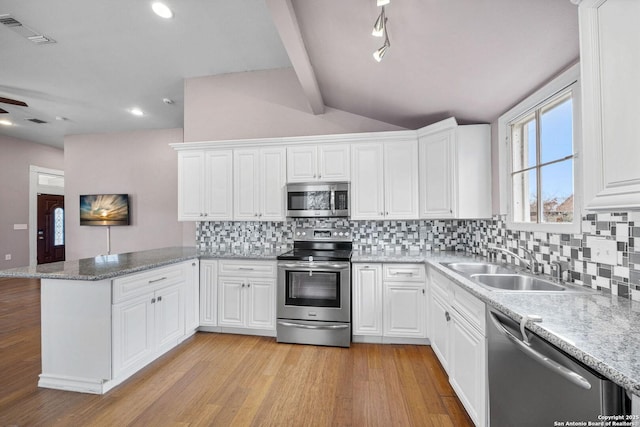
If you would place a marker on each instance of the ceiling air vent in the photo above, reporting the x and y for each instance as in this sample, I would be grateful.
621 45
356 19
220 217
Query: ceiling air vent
38 121
26 32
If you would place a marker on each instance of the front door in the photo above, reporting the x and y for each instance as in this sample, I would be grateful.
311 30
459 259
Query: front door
50 228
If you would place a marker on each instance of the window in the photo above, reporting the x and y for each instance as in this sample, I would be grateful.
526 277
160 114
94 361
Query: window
539 164
58 227
542 163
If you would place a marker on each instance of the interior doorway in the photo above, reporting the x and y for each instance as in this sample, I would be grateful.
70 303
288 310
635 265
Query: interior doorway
50 228
44 181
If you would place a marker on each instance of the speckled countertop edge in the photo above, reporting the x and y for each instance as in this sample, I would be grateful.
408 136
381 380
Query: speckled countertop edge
110 266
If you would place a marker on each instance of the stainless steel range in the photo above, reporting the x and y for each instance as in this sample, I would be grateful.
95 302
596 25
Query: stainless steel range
314 288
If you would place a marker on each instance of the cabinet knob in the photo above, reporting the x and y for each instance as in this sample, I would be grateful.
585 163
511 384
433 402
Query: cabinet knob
381 213
386 213
319 176
260 215
153 300
423 292
255 214
248 285
159 299
447 316
243 285
193 264
314 175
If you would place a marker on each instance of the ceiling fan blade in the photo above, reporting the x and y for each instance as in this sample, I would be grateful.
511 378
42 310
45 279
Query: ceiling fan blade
3 111
13 102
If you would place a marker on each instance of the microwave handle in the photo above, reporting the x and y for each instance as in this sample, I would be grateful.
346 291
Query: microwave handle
333 201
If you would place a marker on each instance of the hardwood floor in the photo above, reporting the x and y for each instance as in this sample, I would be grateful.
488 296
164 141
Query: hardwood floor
220 380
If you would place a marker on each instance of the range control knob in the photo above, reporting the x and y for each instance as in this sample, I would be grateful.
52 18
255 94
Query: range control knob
340 233
346 233
304 233
335 233
297 233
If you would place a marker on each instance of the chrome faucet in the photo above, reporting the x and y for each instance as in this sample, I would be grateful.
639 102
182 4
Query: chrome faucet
531 263
559 267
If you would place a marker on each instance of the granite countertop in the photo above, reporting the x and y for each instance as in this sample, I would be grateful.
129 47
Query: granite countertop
104 266
599 330
115 265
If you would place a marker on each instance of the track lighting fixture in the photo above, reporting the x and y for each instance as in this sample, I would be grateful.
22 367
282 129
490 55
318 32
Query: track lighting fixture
380 30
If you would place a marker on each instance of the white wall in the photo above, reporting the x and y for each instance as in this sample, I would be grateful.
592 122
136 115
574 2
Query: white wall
140 164
261 104
16 155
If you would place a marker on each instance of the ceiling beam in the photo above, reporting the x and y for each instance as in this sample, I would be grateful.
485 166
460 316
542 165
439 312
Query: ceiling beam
286 23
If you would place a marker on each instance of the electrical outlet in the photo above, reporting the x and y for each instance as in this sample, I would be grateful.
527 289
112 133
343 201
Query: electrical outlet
7 257
603 250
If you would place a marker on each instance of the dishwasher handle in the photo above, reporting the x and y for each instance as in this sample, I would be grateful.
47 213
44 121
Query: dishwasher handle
564 372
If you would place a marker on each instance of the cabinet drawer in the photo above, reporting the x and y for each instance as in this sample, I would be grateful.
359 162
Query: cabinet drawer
247 268
403 273
469 307
138 284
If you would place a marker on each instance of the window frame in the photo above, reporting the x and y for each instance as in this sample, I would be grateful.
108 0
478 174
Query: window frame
568 80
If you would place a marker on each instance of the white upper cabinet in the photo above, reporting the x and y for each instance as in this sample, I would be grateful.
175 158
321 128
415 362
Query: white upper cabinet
327 162
384 181
610 60
455 170
259 179
205 186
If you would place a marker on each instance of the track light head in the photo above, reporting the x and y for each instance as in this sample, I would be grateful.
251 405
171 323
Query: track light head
380 25
383 2
379 54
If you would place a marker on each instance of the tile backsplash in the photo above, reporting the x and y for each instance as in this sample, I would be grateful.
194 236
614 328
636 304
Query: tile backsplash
471 236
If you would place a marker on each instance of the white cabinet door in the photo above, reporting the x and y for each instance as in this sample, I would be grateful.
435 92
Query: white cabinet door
231 300
439 321
133 334
401 180
218 186
367 181
261 303
404 310
190 185
436 175
169 316
334 162
467 368
367 299
302 163
246 184
610 59
192 296
208 292
273 176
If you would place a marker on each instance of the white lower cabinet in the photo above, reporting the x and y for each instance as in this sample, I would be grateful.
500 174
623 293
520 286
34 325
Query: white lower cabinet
458 338
389 303
96 334
247 297
147 326
208 293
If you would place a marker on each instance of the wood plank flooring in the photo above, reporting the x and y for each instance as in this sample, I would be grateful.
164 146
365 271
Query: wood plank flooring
228 380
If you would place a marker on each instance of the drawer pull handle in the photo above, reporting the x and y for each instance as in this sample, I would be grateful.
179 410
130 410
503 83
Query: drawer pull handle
157 280
245 268
402 273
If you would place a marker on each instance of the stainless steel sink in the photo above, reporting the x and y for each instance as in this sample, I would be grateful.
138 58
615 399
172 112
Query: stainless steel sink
471 268
517 282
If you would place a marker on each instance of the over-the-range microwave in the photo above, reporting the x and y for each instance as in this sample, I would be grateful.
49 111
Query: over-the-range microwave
318 199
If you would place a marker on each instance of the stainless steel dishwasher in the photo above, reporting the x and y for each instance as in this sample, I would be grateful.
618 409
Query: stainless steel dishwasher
533 383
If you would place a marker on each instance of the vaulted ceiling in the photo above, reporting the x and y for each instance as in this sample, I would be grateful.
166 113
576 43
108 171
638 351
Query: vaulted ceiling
472 59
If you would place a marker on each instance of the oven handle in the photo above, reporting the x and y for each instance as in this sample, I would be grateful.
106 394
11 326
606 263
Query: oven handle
298 325
316 265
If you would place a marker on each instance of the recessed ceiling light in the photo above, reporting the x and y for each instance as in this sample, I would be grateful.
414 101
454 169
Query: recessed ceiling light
5 122
162 10
136 112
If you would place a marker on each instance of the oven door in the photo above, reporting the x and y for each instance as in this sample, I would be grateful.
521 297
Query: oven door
314 291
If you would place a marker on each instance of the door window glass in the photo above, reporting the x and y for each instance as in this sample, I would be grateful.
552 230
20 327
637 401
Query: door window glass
58 227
